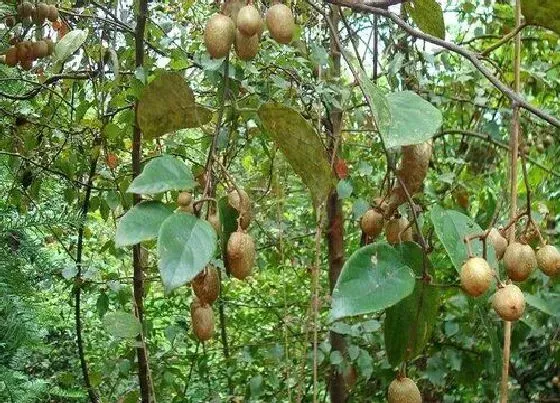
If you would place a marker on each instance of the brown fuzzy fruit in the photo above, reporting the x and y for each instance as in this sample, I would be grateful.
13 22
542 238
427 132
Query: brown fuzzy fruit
509 302
412 171
206 285
548 259
26 10
39 49
372 223
214 220
498 242
476 276
248 20
246 47
184 199
52 14
280 23
241 202
41 13
219 35
23 51
202 320
26 64
50 44
394 231
11 58
403 390
231 9
10 21
520 261
241 254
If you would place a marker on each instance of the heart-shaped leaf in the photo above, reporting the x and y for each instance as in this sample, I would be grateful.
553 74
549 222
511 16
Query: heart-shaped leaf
122 324
162 174
374 278
141 223
185 245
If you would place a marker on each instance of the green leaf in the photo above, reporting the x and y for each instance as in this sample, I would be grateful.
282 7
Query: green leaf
185 245
376 99
167 104
301 146
374 278
141 223
451 227
409 324
428 15
413 120
102 304
69 43
545 13
228 219
122 324
162 174
344 189
550 305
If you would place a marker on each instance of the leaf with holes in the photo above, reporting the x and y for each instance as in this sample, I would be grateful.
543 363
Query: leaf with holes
409 324
374 278
428 15
185 245
451 227
301 146
162 174
141 223
167 104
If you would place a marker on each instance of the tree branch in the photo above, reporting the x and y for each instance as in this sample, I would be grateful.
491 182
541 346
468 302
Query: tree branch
474 58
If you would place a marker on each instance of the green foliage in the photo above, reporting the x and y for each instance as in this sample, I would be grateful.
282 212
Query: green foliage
162 174
141 223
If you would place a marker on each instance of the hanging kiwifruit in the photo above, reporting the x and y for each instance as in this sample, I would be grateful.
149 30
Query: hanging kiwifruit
241 254
206 285
240 201
280 23
248 20
520 261
26 64
10 21
219 35
23 50
548 259
41 13
52 14
394 230
39 49
11 58
214 220
412 171
231 9
184 199
246 47
25 10
202 320
476 276
50 44
498 242
509 302
372 223
403 390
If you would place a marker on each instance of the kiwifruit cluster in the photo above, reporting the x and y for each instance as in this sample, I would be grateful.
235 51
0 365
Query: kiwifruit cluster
403 390
202 319
24 52
240 251
242 26
206 289
540 143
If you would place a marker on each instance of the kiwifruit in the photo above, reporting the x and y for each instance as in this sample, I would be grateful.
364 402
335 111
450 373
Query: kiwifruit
372 223
509 302
280 23
50 44
10 21
393 230
476 276
403 390
246 47
206 285
498 242
520 261
248 20
231 9
184 198
26 64
11 58
41 13
411 172
202 320
214 220
241 254
26 10
548 259
52 14
240 201
39 49
219 35
24 51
